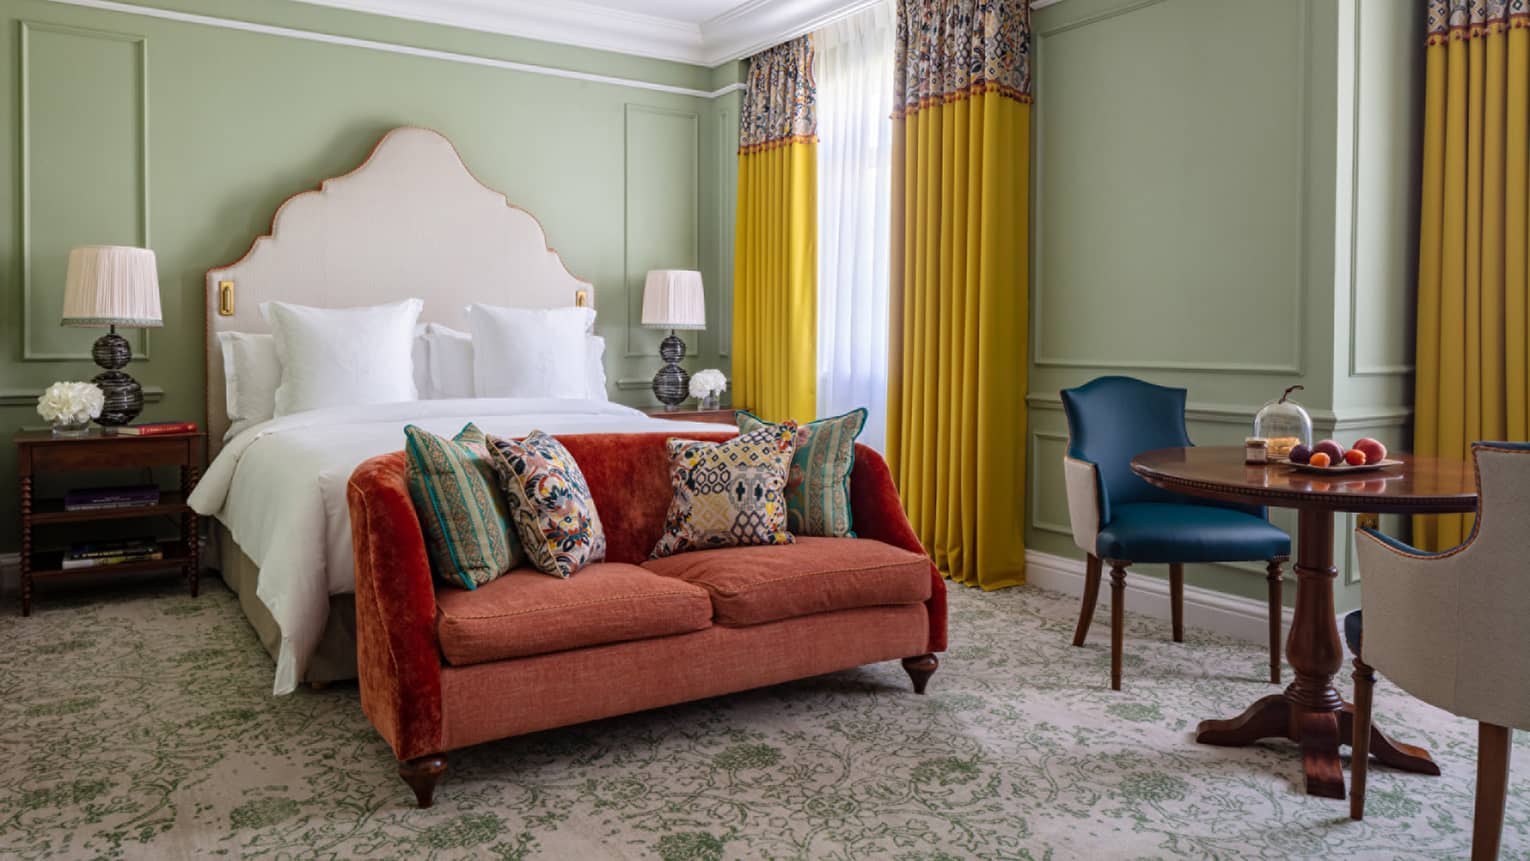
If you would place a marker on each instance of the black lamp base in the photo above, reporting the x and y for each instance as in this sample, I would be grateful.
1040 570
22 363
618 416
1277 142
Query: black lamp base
123 394
671 385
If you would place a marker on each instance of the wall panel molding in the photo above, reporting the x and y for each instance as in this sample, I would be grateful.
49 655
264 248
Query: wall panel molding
28 397
1289 365
1032 504
1243 414
728 123
1358 367
637 261
30 351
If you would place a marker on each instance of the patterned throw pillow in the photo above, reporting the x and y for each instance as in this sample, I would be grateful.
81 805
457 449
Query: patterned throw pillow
550 503
818 489
452 485
728 493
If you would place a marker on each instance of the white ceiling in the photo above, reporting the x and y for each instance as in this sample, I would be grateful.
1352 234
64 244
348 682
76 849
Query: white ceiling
703 32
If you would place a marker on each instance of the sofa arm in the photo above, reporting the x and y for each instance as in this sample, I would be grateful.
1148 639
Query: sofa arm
397 659
878 513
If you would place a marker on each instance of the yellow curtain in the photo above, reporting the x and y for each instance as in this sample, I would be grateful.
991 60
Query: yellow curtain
956 426
1473 354
775 255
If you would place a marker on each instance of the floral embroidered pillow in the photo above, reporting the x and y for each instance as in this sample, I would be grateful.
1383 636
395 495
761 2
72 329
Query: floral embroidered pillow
550 504
452 485
818 488
730 493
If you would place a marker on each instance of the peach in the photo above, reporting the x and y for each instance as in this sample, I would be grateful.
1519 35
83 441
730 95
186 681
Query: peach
1374 451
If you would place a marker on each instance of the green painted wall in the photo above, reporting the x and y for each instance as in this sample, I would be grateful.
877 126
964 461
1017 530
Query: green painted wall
187 137
1216 184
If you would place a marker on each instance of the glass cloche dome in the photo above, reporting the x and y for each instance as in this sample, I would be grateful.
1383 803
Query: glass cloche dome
1283 424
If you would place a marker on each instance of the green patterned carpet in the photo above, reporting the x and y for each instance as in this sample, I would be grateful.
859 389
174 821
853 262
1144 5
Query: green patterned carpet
140 725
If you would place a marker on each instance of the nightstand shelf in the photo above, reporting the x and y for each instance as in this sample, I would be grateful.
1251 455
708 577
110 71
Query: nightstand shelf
39 453
45 511
50 563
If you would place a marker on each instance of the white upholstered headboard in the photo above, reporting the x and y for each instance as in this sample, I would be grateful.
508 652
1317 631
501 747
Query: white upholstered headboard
410 221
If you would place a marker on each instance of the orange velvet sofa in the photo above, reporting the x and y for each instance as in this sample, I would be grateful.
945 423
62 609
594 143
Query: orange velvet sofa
442 669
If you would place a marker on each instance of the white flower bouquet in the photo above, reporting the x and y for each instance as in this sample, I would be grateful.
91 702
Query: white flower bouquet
71 406
708 384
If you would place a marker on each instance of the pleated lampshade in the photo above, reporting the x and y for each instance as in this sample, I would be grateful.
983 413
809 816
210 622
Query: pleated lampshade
674 299
112 285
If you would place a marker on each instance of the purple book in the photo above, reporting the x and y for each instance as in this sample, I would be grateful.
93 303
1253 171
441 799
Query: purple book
130 496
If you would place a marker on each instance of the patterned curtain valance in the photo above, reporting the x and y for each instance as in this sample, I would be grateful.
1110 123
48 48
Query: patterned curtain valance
1471 19
780 98
949 49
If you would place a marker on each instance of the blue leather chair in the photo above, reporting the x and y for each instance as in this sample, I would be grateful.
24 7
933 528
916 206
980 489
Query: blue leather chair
1118 518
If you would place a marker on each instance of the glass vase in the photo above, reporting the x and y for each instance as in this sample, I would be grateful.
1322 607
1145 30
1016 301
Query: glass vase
71 427
709 402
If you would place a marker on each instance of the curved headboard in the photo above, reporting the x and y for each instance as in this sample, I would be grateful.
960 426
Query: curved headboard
412 220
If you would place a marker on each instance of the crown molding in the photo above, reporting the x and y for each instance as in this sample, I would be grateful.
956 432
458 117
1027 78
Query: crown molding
756 25
740 32
567 22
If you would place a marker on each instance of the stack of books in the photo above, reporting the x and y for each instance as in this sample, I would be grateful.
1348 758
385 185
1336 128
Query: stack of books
156 429
98 498
85 555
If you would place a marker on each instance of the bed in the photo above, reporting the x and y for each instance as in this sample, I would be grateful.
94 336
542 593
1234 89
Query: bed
411 221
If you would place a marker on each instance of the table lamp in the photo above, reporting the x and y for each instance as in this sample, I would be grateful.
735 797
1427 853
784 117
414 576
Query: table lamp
673 299
113 285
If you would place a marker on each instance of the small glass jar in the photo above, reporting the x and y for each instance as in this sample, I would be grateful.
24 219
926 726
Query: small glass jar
1256 450
1283 425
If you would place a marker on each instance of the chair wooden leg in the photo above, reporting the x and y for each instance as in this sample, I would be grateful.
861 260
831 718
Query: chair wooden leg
1117 619
1494 744
1273 575
1360 744
919 669
422 774
1177 600
1092 567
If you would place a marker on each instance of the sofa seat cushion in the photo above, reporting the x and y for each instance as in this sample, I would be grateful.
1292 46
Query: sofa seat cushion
754 585
525 612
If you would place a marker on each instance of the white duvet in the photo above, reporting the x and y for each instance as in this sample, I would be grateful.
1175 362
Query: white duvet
279 488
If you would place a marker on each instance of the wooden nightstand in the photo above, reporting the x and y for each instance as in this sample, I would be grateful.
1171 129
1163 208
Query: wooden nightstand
722 417
39 452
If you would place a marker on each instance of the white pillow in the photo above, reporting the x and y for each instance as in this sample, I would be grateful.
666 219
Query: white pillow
530 353
334 357
596 372
451 362
251 373
419 353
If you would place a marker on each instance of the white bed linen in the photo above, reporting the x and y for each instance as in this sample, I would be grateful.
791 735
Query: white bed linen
279 488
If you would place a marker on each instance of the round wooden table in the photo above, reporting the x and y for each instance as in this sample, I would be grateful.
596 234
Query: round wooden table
1310 712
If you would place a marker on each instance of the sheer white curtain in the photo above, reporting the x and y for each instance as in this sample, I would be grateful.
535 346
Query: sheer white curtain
855 101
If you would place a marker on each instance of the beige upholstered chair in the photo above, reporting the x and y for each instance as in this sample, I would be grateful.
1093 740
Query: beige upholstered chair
1450 628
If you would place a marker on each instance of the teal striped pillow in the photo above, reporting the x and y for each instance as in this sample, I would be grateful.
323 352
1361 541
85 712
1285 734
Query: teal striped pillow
453 487
818 489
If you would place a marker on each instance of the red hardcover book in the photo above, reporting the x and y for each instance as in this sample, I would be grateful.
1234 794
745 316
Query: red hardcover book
158 428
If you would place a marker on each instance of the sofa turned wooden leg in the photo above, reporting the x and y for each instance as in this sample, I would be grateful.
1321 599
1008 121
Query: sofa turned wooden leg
920 668
422 775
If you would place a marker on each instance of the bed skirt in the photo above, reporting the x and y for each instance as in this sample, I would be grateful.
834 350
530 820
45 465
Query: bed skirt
335 658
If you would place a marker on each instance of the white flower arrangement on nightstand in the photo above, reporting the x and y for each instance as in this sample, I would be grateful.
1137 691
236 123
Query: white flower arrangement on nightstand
707 385
69 407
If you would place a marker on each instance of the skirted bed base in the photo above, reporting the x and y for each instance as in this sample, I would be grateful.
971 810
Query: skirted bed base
335 658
